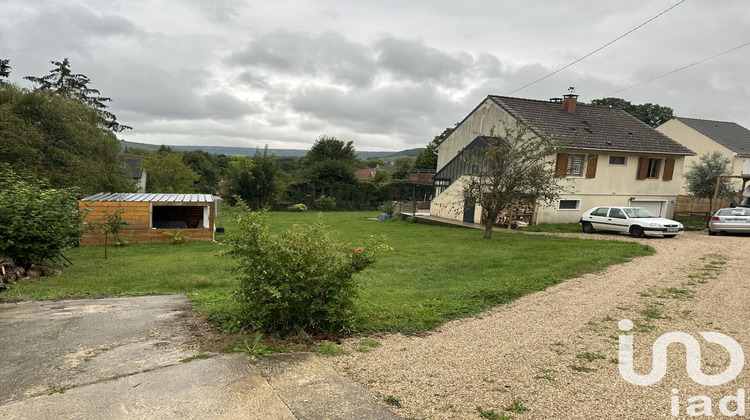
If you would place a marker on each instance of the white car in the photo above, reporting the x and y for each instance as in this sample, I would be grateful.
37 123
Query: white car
636 221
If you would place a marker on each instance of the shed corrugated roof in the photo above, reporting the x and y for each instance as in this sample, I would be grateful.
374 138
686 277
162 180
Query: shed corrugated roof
151 198
590 127
728 134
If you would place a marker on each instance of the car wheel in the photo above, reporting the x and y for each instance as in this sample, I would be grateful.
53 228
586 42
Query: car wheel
712 233
669 236
587 227
636 232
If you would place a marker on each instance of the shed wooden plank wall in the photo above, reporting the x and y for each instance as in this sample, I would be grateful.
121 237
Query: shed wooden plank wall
140 231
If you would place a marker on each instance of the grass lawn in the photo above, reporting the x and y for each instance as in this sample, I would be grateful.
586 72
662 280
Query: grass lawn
554 228
695 223
434 274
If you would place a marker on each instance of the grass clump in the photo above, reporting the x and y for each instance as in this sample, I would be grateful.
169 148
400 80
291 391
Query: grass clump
492 414
653 311
367 345
197 356
548 374
392 401
582 368
517 406
589 356
256 348
327 348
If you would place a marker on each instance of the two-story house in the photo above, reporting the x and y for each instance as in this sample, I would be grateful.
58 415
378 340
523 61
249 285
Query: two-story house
610 158
705 136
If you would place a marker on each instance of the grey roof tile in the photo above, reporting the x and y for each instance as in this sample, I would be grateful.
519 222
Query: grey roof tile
730 135
590 127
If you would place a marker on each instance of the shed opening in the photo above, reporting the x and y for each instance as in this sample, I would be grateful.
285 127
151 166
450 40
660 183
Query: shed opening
179 217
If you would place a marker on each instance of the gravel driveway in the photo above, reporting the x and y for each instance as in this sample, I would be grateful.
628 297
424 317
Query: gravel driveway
556 352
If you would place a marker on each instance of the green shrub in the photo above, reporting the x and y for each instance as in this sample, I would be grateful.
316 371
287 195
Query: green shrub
297 208
177 237
387 207
35 223
298 280
324 203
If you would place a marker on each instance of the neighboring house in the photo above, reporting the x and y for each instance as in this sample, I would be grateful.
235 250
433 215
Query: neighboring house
150 215
138 174
611 158
364 173
706 136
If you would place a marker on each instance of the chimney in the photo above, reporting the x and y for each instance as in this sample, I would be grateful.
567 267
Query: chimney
570 100
569 103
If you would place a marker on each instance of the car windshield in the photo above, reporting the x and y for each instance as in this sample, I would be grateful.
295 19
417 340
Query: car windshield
638 212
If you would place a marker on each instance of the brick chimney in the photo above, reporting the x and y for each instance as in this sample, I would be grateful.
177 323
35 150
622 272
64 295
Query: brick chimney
569 103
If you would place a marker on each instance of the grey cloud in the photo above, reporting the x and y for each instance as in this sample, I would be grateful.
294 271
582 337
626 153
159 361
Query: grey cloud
299 53
220 11
226 106
416 61
178 96
395 109
71 27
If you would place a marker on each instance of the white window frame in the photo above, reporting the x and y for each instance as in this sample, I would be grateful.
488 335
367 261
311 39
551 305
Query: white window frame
609 160
662 165
584 165
577 208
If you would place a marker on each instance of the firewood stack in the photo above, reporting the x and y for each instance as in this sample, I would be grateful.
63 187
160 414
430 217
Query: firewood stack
520 211
12 273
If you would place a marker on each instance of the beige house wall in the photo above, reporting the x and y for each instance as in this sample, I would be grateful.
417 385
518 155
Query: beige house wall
482 122
614 185
700 144
450 203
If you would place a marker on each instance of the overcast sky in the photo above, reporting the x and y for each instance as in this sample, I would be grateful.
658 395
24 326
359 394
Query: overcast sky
387 74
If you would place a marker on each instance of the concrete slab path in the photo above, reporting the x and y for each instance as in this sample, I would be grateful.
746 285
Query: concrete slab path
125 358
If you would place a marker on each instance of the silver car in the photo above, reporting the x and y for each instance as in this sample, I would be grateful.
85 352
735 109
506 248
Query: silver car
735 219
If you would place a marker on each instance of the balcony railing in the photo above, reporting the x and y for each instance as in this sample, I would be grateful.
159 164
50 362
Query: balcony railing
421 176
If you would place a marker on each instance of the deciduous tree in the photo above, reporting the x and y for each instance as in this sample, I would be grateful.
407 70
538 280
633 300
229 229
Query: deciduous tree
513 166
60 140
702 176
428 157
167 174
255 180
651 114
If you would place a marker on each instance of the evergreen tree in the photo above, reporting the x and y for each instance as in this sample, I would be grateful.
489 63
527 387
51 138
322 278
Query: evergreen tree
69 85
4 69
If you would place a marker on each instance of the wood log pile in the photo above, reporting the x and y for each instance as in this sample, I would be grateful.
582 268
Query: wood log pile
521 211
12 273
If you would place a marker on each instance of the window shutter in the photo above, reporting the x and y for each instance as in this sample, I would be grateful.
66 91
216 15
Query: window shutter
642 168
668 169
591 171
562 165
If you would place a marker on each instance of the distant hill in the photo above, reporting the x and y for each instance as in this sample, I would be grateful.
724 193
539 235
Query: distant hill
249 151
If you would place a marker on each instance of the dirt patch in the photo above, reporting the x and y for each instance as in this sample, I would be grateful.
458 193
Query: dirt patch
554 354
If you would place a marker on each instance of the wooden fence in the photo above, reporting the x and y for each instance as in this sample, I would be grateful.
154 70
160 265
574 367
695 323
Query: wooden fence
692 206
409 207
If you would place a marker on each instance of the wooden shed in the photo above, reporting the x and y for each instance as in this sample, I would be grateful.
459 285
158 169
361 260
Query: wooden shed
151 215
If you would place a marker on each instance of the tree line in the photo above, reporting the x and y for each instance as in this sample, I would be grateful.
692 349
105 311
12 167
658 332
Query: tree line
62 132
265 180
